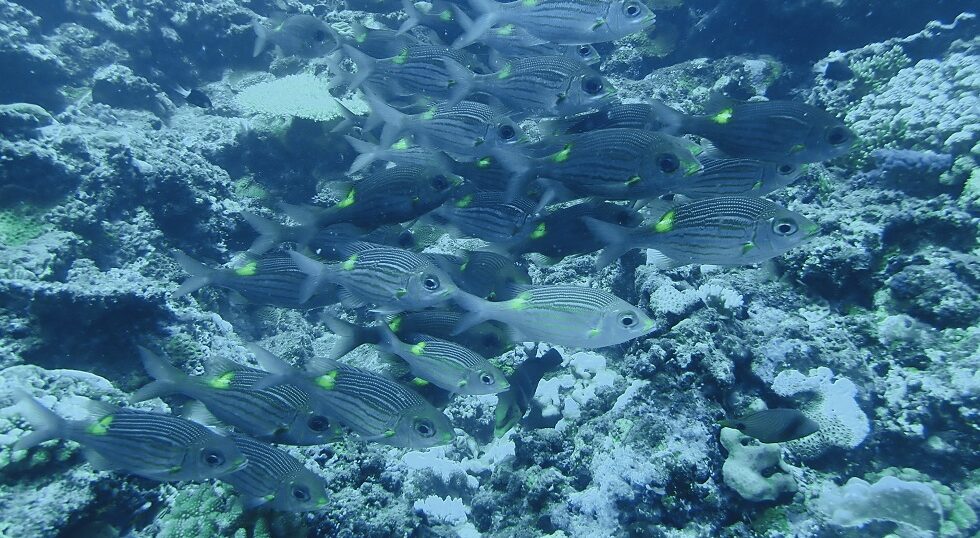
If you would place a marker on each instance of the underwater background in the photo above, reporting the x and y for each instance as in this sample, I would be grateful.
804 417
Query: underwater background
137 136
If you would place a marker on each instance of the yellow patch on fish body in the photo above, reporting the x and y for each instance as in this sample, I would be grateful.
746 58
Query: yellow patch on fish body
248 269
101 426
562 155
418 349
222 381
327 381
347 201
349 264
666 222
723 117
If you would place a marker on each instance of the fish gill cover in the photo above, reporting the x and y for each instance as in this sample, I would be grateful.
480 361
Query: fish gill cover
564 268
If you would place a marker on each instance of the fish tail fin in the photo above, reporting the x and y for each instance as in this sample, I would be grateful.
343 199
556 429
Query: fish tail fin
167 378
463 81
349 119
365 66
520 167
271 233
200 274
384 114
47 425
302 215
341 77
612 235
279 370
489 15
367 153
350 336
477 309
261 37
672 119
414 17
315 275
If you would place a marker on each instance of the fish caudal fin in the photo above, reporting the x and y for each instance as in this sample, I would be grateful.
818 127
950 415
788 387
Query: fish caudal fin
261 37
271 233
489 15
47 425
414 17
279 371
463 81
614 238
367 153
200 275
167 378
365 66
348 333
315 275
384 114
673 120
477 311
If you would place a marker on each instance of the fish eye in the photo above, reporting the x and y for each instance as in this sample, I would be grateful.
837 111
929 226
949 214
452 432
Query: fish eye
425 428
627 320
786 169
318 423
440 183
431 283
486 378
212 458
506 131
592 85
319 36
838 135
631 9
585 51
668 163
300 493
784 227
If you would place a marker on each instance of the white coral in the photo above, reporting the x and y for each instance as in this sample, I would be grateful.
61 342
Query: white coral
304 95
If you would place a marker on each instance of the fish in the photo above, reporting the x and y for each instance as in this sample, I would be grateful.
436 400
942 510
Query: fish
387 196
152 445
415 70
467 128
613 115
373 406
446 364
432 13
772 131
490 339
728 230
737 177
273 479
544 85
379 42
566 22
513 404
563 232
510 41
481 273
284 414
774 425
614 164
401 153
294 35
195 96
496 217
390 278
573 316
272 279
272 233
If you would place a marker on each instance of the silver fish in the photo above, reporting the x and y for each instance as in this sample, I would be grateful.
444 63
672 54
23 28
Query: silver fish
152 445
401 153
274 479
284 414
737 177
415 70
490 339
572 316
302 35
569 22
729 230
510 41
482 273
771 131
491 216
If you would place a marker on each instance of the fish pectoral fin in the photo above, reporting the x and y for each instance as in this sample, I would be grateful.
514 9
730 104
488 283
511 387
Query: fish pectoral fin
98 461
599 22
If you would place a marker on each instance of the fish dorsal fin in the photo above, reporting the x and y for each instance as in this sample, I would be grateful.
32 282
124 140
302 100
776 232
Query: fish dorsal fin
319 365
217 366
98 409
195 411
349 300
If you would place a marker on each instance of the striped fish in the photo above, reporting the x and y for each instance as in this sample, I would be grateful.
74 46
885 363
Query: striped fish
611 116
372 405
513 404
402 153
545 85
568 22
615 164
489 339
415 70
465 129
387 196
490 216
737 177
152 445
774 425
563 232
445 364
481 273
510 41
274 280
390 278
274 479
284 414
379 42
729 230
771 131
572 316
